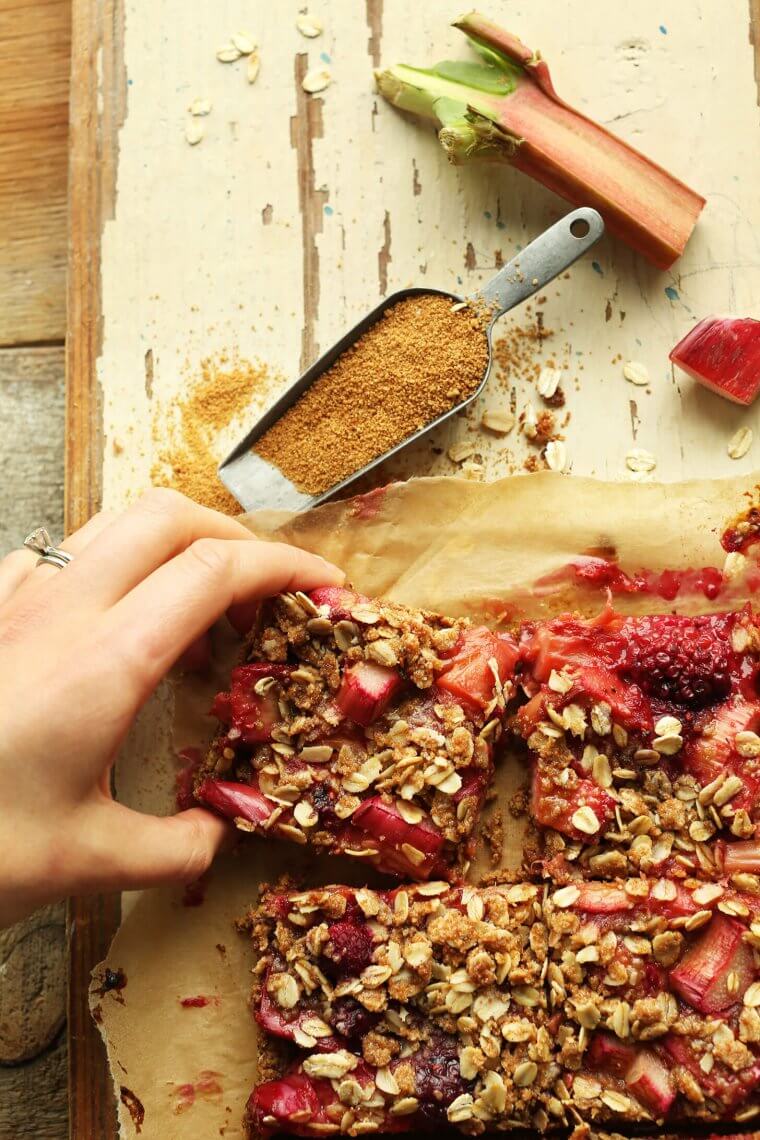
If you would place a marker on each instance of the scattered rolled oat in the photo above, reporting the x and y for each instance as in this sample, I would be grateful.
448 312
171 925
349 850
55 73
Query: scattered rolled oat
244 42
316 80
548 382
309 25
636 373
194 132
555 455
460 451
228 53
200 107
740 443
253 67
639 460
499 422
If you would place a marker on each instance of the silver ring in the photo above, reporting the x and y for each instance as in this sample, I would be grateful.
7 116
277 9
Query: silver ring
39 542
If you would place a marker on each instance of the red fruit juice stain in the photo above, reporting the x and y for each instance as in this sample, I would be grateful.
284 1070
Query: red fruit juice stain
199 1001
602 573
367 506
134 1106
205 1088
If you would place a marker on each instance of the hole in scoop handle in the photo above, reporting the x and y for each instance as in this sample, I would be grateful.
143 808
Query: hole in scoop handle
541 261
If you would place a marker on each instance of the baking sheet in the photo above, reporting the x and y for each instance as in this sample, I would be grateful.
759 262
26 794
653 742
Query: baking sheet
458 546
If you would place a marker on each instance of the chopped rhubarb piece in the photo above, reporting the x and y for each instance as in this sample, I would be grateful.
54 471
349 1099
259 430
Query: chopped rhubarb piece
272 1017
629 708
650 1082
339 602
730 1089
367 690
677 903
407 848
742 856
723 353
468 672
609 1054
251 714
558 807
292 1096
603 898
505 108
236 801
701 977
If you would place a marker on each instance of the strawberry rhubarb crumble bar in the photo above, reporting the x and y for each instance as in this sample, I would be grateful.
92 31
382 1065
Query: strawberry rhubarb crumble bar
362 727
643 735
658 986
504 1007
401 1010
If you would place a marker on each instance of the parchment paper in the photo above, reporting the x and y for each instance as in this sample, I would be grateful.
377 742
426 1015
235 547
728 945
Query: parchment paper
447 544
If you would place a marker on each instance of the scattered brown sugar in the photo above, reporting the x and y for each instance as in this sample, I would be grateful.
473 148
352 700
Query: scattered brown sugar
423 357
187 458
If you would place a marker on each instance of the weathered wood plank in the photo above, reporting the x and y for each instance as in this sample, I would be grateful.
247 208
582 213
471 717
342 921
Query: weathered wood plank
31 442
33 1092
33 1097
98 100
34 66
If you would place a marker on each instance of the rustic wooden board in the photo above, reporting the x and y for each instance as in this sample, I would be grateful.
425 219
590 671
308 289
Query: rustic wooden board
34 78
294 214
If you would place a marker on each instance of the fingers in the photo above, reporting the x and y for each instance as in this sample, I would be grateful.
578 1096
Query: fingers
159 526
126 850
160 618
20 566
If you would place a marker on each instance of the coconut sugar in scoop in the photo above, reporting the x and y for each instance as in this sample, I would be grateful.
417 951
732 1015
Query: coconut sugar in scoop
415 360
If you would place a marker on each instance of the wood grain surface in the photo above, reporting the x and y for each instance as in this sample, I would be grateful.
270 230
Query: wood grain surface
153 289
34 72
97 102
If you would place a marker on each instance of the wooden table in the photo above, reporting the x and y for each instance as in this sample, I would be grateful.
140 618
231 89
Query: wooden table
34 81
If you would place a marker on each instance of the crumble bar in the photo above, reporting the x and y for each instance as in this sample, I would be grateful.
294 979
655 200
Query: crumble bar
643 734
363 728
510 1006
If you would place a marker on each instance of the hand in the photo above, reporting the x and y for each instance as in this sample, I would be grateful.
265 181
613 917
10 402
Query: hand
81 649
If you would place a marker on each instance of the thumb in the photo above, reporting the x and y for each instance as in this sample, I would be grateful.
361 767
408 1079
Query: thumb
130 851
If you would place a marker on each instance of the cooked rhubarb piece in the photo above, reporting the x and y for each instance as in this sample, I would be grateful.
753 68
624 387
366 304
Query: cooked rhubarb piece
367 690
659 992
723 353
505 109
361 727
644 739
386 1001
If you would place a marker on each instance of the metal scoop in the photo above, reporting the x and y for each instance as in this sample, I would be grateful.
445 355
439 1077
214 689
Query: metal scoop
255 483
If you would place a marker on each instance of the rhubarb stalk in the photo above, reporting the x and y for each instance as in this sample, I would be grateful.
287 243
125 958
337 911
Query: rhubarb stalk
505 109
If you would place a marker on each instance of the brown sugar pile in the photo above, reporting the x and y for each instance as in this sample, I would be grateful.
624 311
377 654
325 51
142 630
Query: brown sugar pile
422 357
187 459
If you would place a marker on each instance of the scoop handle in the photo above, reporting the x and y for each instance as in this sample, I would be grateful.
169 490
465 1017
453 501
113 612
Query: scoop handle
541 261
